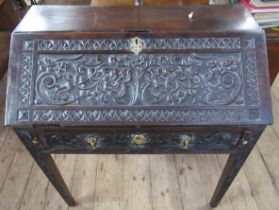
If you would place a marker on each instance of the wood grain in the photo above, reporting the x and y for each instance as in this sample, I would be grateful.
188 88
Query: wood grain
83 184
164 179
109 183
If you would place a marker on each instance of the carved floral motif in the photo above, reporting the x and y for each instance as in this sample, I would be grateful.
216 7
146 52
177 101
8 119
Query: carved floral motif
145 79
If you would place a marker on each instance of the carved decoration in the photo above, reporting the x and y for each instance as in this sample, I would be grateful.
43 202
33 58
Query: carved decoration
248 43
157 115
217 140
252 81
146 79
25 79
28 45
124 44
179 79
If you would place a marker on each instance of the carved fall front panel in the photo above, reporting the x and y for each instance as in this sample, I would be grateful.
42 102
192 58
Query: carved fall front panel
163 86
145 79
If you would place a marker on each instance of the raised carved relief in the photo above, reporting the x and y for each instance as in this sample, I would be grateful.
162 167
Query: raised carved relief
194 79
248 43
25 79
215 140
124 44
139 115
145 79
252 81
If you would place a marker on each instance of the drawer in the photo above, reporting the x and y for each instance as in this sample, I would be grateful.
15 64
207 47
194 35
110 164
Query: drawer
141 142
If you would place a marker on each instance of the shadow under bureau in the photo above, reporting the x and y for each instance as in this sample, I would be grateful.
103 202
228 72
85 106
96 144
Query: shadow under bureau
138 80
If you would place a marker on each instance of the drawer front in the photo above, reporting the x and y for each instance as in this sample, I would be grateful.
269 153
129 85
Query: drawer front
147 142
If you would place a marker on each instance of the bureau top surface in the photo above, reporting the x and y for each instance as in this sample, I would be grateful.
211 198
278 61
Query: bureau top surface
213 73
147 18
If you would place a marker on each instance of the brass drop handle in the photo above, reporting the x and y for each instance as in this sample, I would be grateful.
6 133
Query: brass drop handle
139 139
186 139
92 141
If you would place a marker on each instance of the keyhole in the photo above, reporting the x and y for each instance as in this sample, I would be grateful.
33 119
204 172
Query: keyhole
136 41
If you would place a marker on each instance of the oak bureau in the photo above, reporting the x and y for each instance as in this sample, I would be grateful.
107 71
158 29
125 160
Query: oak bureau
138 80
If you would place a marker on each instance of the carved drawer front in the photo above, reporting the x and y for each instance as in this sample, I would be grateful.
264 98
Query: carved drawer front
142 142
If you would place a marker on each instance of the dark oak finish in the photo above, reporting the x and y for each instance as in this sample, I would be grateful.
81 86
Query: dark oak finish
138 80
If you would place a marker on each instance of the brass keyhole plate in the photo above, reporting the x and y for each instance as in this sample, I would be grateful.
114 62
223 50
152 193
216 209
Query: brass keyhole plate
136 45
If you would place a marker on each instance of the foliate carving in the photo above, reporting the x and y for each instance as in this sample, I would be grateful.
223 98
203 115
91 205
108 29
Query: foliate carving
139 115
252 81
145 79
165 79
124 44
25 79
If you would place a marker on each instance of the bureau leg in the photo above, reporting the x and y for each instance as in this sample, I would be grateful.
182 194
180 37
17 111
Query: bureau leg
232 167
46 163
48 166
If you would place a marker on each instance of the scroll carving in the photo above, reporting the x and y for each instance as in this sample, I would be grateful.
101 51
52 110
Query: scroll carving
123 80
145 79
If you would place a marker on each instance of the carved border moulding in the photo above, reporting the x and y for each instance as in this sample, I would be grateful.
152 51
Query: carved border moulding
124 44
139 115
252 81
25 79
145 79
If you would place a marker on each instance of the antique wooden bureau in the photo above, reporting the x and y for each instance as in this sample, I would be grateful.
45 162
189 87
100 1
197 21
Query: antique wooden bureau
138 80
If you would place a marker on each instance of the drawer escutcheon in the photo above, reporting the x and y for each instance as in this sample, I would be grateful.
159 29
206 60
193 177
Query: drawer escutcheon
186 139
35 141
92 141
139 139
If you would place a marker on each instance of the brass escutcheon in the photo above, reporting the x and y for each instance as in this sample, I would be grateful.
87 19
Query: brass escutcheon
35 141
245 138
244 141
92 141
136 45
186 139
139 139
